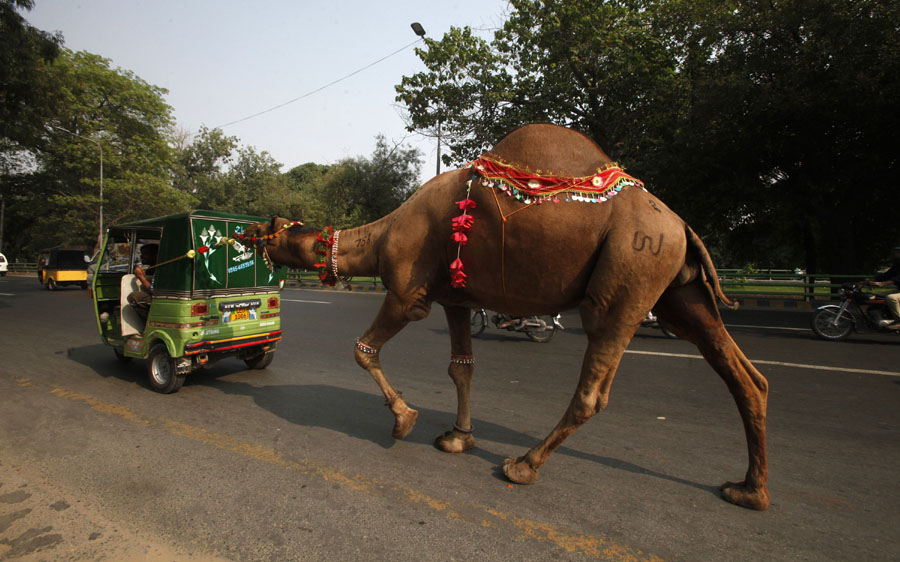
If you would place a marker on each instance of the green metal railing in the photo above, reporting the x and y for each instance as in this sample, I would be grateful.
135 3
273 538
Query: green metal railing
770 283
773 284
786 285
22 267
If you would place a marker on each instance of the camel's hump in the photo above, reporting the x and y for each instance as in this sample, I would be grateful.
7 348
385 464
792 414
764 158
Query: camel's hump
551 149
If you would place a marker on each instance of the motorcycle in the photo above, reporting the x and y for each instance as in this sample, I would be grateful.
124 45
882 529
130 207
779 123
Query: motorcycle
537 328
651 321
859 310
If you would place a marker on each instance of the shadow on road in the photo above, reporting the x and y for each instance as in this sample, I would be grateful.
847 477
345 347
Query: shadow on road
362 415
354 413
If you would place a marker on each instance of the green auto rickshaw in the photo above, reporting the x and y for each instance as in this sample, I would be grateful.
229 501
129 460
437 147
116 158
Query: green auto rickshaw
211 297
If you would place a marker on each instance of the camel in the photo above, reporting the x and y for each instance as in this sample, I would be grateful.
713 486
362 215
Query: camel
543 222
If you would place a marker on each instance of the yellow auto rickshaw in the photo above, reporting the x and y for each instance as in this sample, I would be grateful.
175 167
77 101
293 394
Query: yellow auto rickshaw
64 265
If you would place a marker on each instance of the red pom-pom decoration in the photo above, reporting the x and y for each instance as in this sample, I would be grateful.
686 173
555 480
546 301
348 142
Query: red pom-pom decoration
202 249
466 204
460 237
463 223
457 276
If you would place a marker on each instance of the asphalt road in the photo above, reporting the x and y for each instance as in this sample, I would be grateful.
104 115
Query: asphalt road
297 463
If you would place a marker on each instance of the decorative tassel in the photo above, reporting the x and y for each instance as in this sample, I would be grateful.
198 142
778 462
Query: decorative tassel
463 223
466 204
457 276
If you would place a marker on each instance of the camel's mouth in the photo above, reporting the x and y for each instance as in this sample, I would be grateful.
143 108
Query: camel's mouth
253 233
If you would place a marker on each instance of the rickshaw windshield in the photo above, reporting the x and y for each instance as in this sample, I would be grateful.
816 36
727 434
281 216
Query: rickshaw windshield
123 250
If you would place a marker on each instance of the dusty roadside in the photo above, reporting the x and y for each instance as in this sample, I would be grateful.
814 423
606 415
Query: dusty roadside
39 521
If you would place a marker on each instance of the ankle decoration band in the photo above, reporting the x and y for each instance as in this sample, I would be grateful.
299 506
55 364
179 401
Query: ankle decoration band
365 348
462 359
461 430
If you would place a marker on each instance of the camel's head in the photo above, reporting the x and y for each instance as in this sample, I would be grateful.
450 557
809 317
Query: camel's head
263 233
267 237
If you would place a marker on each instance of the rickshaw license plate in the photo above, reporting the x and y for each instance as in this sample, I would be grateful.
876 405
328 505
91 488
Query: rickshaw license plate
240 314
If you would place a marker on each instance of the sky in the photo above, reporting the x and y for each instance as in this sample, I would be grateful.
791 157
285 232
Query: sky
223 61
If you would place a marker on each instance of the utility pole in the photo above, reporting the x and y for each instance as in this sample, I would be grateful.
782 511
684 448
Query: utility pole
420 31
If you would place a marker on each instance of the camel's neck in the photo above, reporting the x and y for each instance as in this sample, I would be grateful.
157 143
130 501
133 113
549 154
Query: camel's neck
357 249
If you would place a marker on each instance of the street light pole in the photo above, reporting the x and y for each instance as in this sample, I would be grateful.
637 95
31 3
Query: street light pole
99 148
420 31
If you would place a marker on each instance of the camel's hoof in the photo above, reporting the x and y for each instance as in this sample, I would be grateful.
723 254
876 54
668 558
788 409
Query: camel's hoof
404 422
454 442
739 494
519 471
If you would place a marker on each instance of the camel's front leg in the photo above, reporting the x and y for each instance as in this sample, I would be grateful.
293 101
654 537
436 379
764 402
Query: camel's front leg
461 369
608 336
392 317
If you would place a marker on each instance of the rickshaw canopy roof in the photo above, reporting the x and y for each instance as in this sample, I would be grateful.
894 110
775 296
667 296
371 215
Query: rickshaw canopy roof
217 266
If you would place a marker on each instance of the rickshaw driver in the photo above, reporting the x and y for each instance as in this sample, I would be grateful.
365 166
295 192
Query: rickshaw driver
142 298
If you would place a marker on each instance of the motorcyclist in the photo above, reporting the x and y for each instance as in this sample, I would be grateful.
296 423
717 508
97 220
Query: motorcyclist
891 277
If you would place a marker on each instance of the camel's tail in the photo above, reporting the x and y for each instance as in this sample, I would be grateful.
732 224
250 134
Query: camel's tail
709 270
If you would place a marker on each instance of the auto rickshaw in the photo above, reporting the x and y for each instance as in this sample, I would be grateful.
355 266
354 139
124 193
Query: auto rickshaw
211 296
64 265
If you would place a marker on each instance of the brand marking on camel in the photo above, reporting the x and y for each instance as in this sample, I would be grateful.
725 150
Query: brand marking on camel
642 240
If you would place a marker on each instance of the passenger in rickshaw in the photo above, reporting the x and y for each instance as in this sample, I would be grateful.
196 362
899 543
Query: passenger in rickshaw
141 298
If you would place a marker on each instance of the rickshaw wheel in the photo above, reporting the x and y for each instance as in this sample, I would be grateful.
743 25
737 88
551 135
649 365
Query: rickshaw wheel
51 284
261 361
161 370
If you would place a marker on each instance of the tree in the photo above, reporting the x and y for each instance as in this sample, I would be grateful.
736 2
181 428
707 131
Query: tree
202 165
599 67
303 180
360 190
257 186
777 114
88 108
24 53
791 118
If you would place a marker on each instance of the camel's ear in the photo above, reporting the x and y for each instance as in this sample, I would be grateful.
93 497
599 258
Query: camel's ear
272 224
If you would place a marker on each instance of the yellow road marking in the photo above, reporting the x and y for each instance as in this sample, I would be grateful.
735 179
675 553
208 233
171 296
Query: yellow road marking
588 545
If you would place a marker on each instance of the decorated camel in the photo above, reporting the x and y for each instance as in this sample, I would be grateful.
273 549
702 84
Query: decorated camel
543 222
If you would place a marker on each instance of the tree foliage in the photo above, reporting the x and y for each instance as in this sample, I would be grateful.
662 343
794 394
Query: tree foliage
89 111
769 121
24 52
359 190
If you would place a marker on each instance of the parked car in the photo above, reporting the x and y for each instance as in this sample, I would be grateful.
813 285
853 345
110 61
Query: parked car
4 267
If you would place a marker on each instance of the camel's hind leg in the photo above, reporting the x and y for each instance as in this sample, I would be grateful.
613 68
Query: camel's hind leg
690 312
461 369
394 315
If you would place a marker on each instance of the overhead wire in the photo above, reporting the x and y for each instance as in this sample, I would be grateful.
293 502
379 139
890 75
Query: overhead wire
319 89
